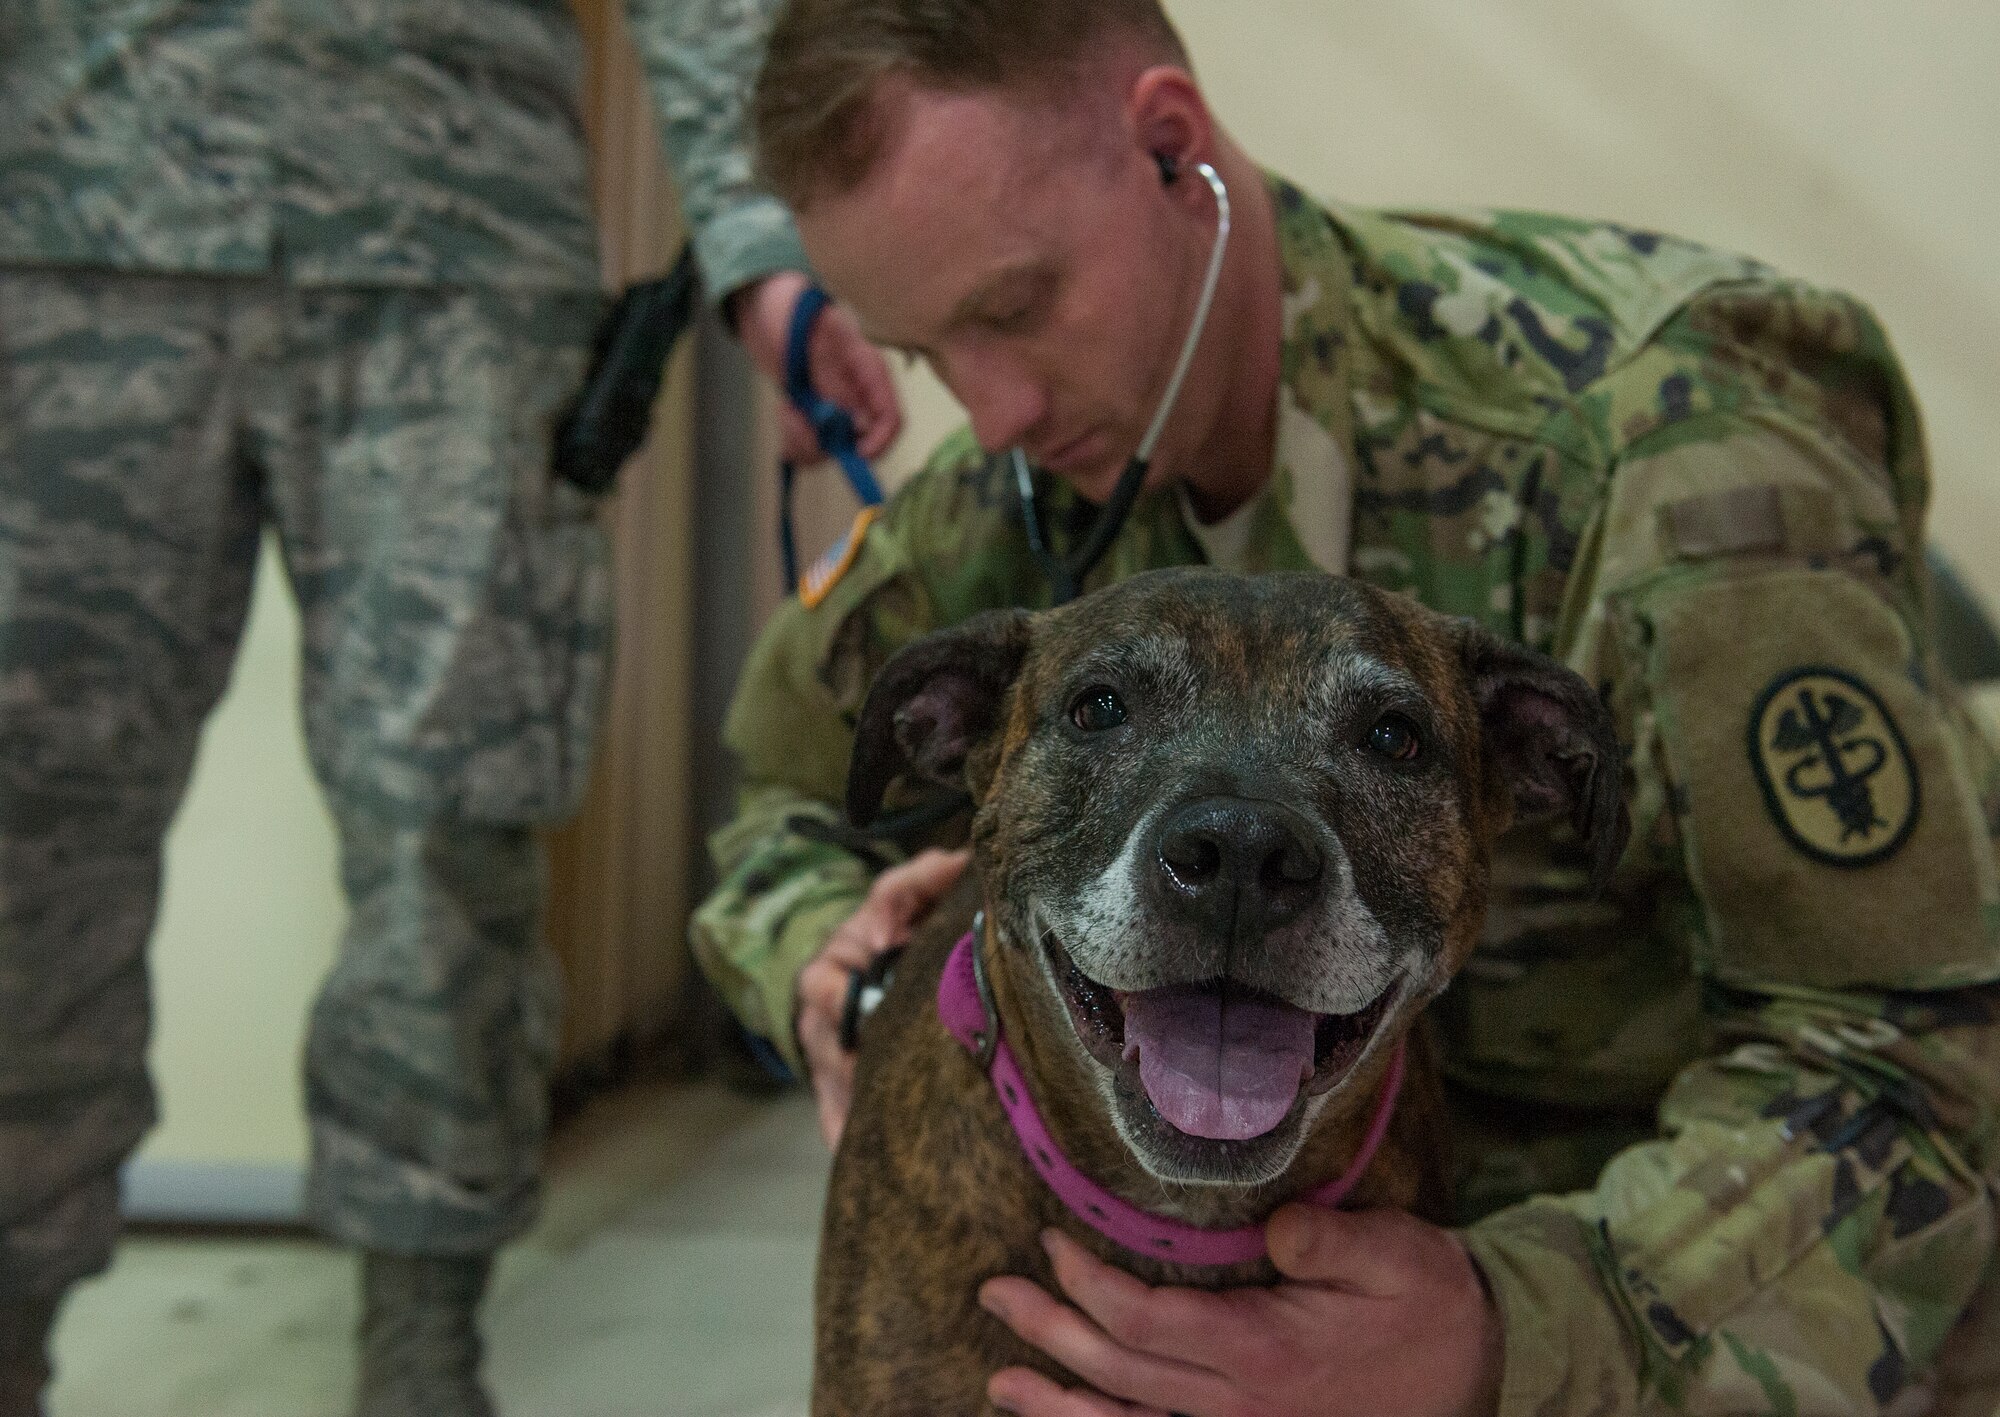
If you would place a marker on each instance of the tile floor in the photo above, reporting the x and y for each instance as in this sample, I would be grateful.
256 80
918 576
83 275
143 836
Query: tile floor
665 1280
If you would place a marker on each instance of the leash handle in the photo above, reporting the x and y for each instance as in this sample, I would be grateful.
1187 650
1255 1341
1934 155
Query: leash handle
832 425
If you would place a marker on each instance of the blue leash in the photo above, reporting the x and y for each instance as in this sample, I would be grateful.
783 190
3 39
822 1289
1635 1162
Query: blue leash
831 424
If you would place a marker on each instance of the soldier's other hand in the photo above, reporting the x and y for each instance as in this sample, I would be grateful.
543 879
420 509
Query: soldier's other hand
846 368
1375 1314
896 904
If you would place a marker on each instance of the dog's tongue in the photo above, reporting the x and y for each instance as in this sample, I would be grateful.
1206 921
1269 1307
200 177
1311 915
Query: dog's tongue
1226 1069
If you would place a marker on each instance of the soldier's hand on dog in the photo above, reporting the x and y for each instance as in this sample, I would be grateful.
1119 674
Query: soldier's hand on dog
1378 1314
846 368
896 904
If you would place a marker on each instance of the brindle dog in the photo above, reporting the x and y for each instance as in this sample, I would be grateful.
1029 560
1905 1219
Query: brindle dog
1272 794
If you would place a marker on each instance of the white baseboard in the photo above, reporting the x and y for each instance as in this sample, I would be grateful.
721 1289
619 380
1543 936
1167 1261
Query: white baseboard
214 1193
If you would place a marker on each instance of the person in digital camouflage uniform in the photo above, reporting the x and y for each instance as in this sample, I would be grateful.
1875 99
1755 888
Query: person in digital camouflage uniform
327 267
1728 1133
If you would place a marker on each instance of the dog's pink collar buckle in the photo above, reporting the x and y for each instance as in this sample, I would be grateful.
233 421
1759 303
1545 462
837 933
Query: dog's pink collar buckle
965 1006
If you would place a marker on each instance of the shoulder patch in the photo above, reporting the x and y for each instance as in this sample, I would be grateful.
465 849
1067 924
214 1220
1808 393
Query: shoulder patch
1852 849
1835 772
824 574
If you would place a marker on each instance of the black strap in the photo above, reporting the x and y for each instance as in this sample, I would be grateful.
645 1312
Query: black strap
612 411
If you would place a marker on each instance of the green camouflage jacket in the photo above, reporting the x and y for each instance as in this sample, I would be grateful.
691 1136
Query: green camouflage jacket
362 142
1725 1126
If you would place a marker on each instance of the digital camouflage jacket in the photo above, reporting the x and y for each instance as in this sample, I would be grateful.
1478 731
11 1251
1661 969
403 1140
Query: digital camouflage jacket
360 142
1727 1125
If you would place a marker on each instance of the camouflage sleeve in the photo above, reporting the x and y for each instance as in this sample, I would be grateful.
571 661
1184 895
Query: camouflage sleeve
945 547
784 885
701 58
939 552
782 892
1817 1210
1801 1238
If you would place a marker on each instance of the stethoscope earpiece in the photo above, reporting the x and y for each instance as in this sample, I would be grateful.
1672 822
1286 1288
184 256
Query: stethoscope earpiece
1170 168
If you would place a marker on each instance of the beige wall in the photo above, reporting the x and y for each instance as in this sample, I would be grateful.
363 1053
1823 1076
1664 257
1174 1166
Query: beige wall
251 914
1851 141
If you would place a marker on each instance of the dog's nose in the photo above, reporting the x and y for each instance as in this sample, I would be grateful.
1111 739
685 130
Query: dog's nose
1236 866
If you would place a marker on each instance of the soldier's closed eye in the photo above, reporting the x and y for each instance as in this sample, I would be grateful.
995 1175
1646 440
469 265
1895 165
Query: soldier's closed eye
1017 306
1015 319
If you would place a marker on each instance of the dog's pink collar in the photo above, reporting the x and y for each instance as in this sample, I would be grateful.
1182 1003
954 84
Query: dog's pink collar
966 1008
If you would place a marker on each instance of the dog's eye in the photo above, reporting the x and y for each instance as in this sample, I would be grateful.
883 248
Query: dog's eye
1096 709
1394 736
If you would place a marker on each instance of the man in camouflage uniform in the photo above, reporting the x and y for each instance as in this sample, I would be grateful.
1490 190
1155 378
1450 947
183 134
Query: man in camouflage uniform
1728 1132
327 267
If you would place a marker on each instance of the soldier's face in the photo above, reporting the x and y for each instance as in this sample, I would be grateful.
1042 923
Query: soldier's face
1027 250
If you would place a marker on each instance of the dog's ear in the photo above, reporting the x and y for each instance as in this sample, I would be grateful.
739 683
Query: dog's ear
1550 742
932 704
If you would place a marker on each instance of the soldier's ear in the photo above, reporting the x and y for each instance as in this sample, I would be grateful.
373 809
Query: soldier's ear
932 704
1549 744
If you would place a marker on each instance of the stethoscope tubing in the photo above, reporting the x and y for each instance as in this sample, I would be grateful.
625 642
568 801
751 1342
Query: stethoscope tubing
1066 577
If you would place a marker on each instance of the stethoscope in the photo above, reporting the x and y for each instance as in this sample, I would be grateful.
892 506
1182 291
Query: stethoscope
1066 575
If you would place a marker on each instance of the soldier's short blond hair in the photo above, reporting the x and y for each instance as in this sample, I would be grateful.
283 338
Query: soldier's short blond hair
816 126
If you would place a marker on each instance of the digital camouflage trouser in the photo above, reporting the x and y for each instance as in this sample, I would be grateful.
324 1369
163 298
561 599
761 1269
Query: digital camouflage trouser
454 607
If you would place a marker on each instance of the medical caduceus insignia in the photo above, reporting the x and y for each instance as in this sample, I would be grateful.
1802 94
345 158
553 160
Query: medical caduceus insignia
1833 766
